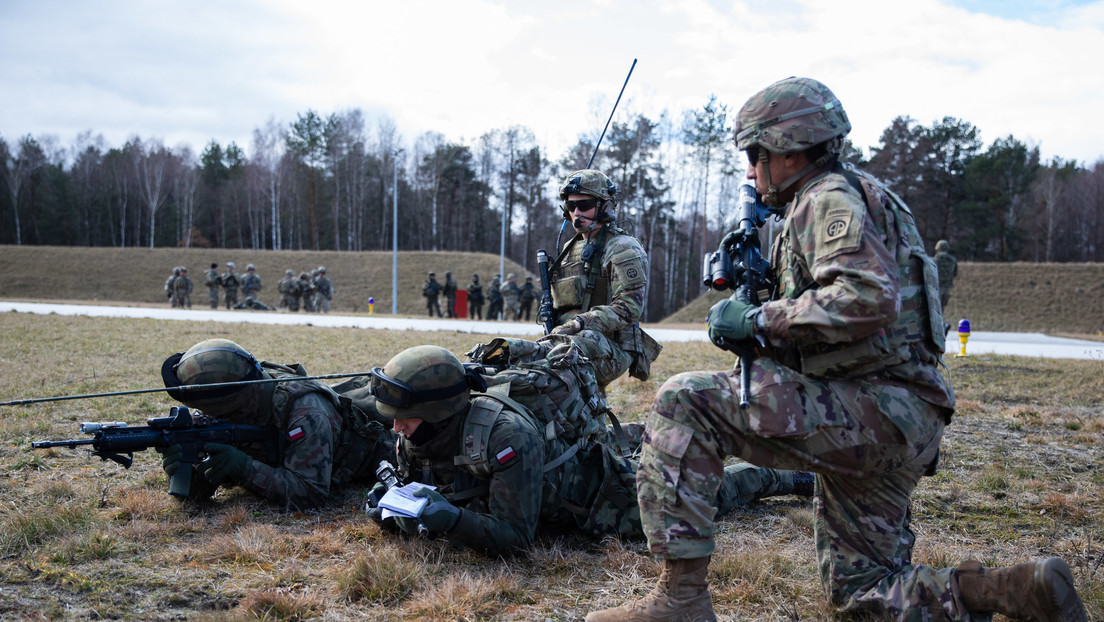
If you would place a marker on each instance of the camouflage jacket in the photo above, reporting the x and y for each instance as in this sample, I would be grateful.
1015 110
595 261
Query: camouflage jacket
510 293
948 269
528 293
431 289
324 287
475 293
182 284
231 280
251 283
450 287
211 278
855 292
620 289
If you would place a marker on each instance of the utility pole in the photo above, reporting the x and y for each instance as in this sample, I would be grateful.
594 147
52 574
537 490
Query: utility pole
395 234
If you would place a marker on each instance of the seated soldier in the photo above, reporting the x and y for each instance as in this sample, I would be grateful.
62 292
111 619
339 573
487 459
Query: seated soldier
324 443
497 475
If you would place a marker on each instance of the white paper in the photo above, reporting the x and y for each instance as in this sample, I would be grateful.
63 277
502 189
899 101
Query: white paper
402 502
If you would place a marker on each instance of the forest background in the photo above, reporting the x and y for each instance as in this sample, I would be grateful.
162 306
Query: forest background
331 182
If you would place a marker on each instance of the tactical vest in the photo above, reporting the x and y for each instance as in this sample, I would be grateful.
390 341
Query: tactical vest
359 431
916 331
231 280
212 278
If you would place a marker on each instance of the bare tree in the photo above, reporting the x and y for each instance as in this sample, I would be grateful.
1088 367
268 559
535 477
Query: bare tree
150 168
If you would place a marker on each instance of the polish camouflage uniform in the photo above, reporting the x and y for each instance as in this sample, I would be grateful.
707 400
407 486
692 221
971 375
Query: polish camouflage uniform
431 289
948 270
475 299
450 295
231 281
493 460
211 280
847 387
324 441
526 298
494 295
609 313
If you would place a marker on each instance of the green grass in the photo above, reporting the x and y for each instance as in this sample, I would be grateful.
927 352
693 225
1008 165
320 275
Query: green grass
1019 478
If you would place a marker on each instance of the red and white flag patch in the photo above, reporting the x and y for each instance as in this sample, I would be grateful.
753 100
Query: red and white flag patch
505 455
296 434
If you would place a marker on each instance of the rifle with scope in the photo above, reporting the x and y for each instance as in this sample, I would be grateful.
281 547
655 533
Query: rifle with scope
117 441
738 264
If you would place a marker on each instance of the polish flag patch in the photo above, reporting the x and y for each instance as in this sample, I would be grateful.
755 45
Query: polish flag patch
506 455
296 434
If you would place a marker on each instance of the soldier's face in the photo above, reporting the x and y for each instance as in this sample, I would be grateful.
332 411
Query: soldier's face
585 218
406 427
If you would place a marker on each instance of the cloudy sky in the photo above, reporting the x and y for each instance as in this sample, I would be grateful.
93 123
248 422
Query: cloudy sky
188 72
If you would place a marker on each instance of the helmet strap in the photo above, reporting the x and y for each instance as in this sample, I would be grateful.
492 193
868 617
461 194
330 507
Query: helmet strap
772 198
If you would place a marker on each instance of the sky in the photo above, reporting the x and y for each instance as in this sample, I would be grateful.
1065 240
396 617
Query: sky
189 72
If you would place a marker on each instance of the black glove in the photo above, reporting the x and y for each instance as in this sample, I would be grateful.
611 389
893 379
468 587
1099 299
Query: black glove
376 494
171 457
438 516
224 464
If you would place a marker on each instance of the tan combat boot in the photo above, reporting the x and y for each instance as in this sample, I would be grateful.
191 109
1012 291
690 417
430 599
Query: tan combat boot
1039 591
681 595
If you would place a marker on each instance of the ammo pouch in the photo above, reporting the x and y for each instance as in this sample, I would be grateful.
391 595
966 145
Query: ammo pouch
568 292
642 347
849 360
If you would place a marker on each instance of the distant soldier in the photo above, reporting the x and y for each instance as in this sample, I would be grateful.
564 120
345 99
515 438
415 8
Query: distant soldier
231 281
431 290
510 295
325 291
526 298
182 290
306 292
494 294
251 283
211 280
289 291
475 298
947 266
169 292
450 295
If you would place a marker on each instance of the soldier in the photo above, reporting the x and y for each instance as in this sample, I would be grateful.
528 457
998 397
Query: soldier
475 298
846 386
525 299
324 287
431 290
231 281
325 443
494 292
450 295
492 464
510 295
307 291
289 291
600 281
211 280
251 284
947 266
170 293
182 289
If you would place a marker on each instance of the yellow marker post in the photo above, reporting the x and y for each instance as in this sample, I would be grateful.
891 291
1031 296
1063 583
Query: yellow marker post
963 335
371 304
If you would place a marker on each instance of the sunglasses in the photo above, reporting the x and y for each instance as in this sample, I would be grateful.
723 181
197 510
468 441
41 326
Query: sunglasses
582 205
752 155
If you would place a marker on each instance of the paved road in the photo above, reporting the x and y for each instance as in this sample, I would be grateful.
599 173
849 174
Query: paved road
1023 344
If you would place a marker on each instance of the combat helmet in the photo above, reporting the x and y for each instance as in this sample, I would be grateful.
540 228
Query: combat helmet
787 117
423 382
594 183
942 246
213 361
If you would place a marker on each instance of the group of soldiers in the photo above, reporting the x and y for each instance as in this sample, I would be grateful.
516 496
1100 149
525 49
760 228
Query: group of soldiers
846 402
507 301
313 290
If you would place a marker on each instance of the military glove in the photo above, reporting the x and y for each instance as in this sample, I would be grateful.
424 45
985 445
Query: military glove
438 516
225 464
733 321
376 494
171 457
571 327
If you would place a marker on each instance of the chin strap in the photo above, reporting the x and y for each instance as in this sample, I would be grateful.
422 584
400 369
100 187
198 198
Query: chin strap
772 198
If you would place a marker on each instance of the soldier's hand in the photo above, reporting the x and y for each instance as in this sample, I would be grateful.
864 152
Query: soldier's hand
732 321
571 327
376 494
171 458
224 464
438 516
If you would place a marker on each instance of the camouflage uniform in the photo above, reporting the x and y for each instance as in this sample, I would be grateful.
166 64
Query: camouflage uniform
182 290
325 291
494 294
948 270
510 296
475 299
848 388
231 281
431 289
325 442
169 292
212 280
289 291
251 284
450 295
525 299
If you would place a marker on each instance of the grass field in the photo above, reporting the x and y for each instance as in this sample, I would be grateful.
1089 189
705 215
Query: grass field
80 538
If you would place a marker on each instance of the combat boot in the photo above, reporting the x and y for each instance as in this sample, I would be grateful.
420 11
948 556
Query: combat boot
1038 591
681 595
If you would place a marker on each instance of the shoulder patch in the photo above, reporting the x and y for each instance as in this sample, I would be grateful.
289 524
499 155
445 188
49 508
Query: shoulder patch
296 434
506 455
839 221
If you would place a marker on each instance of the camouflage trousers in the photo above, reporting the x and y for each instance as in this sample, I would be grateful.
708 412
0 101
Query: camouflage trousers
212 296
609 360
231 298
868 463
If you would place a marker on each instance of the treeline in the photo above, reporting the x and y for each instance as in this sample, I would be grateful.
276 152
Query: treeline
331 183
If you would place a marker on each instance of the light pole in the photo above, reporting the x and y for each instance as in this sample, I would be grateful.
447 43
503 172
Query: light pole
395 234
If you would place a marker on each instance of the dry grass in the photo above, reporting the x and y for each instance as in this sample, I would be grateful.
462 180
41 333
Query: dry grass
1020 297
80 538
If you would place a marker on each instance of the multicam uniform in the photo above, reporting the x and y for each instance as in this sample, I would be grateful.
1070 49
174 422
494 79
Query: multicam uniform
510 296
290 292
182 291
948 270
251 286
610 312
491 462
231 281
325 293
848 388
211 280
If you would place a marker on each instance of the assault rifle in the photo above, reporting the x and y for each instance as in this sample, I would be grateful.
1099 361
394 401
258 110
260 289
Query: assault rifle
738 264
116 441
545 313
